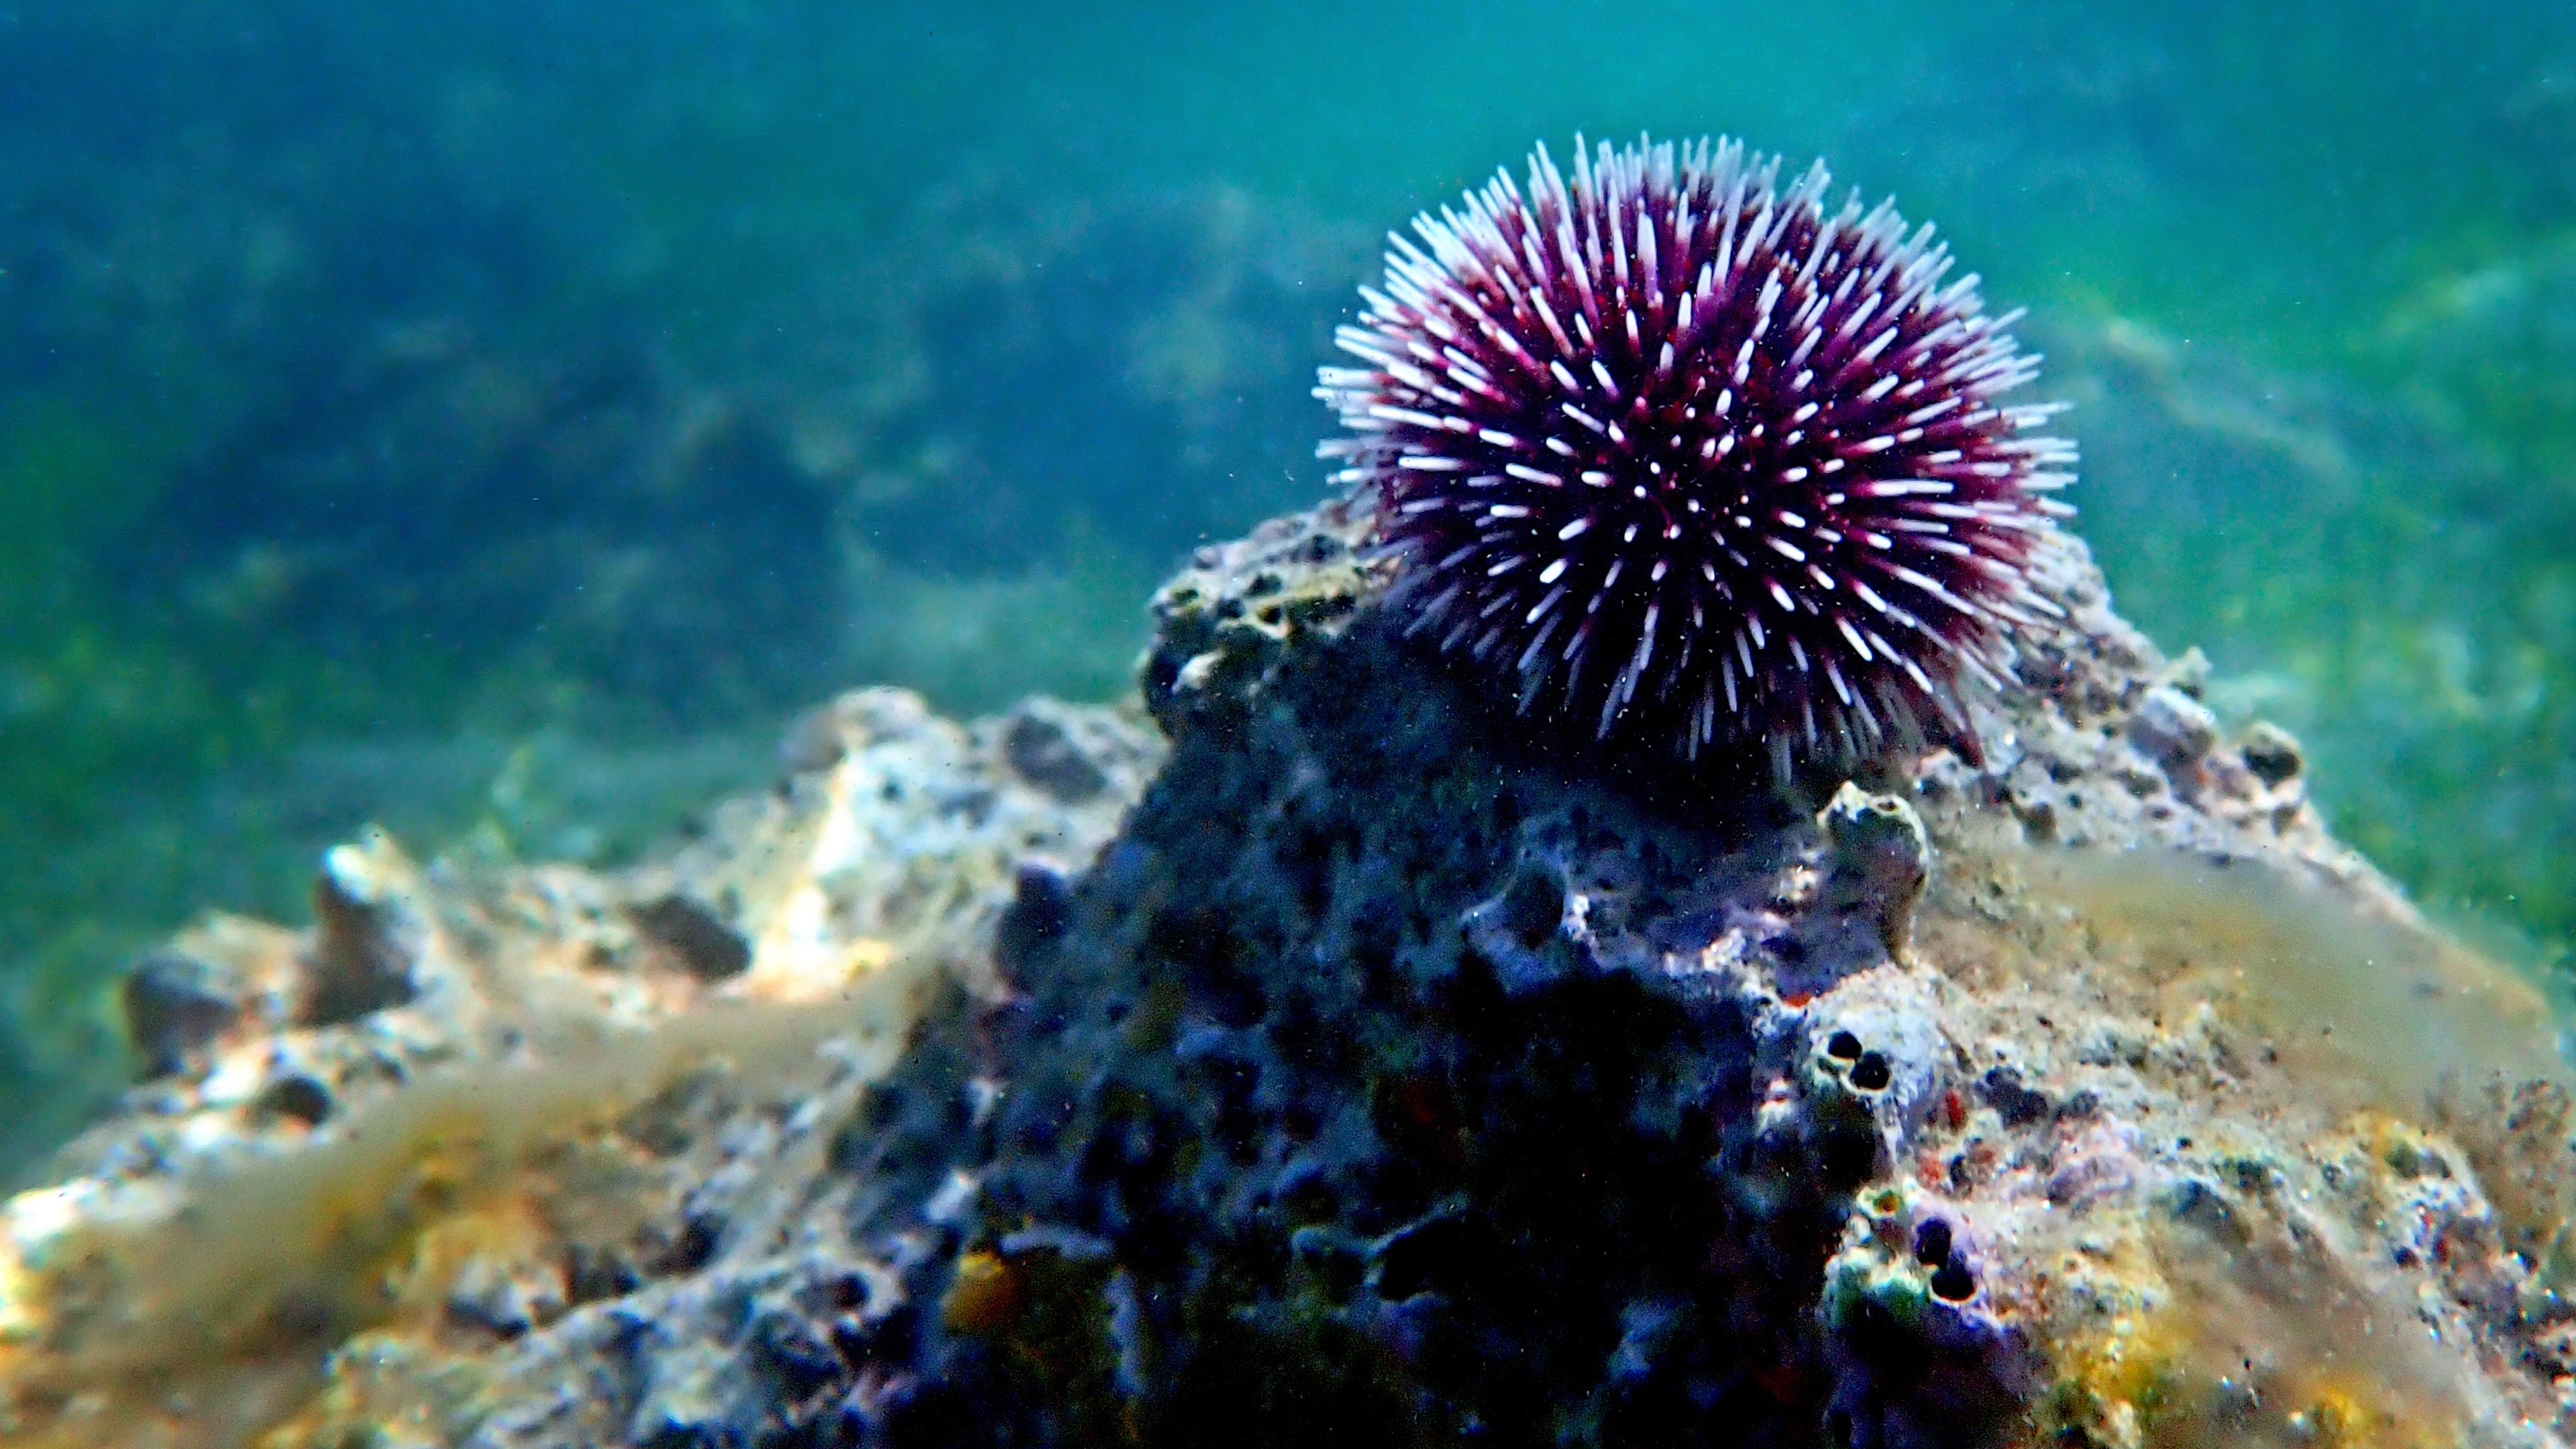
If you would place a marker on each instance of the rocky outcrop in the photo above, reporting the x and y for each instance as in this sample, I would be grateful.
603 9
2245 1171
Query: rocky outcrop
468 1103
1395 1074
1398 1077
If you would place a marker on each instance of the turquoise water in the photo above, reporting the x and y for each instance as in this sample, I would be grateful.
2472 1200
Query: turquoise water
497 420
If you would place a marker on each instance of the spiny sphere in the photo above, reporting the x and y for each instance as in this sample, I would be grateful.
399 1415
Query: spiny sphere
1698 460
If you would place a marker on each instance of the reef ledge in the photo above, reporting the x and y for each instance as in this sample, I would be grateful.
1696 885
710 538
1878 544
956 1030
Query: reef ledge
1349 1064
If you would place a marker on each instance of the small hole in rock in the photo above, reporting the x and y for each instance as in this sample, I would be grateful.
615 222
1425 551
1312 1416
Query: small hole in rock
1953 1283
1931 1242
1870 1073
1843 1046
300 1097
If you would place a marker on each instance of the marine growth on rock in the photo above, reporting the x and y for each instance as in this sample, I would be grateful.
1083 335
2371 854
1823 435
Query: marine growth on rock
1686 457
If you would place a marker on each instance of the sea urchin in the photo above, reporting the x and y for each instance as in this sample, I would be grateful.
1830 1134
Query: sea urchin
1699 460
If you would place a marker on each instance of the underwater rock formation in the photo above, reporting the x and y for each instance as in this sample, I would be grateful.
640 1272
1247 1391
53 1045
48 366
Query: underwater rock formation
1394 1080
470 1101
1385 1075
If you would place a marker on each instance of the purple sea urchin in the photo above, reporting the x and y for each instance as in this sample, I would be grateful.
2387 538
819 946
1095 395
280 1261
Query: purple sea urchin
1699 459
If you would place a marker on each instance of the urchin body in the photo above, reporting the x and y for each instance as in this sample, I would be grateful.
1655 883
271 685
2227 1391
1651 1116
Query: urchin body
1685 457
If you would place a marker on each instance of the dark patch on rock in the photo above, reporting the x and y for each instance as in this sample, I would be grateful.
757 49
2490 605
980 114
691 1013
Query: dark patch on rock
176 1004
2272 753
2019 1106
1043 742
359 961
695 932
298 1097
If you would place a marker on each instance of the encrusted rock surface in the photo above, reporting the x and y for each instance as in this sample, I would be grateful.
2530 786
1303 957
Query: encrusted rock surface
1392 1076
469 1102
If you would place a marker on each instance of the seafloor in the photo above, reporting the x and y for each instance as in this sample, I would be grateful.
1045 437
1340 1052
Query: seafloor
1325 1059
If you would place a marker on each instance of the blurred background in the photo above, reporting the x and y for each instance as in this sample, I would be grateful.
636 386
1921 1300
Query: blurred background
496 419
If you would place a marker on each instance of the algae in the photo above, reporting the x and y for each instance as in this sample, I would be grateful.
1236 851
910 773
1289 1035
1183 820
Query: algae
214 1290
2364 1002
2200 1290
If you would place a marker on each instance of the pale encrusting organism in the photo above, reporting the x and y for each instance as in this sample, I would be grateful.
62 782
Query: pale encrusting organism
1694 459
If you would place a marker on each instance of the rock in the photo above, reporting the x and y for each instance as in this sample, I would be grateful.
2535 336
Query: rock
1877 859
1378 1071
566 1126
366 933
1042 740
2173 726
696 932
1040 907
1371 987
2272 753
296 1097
489 1297
176 1004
